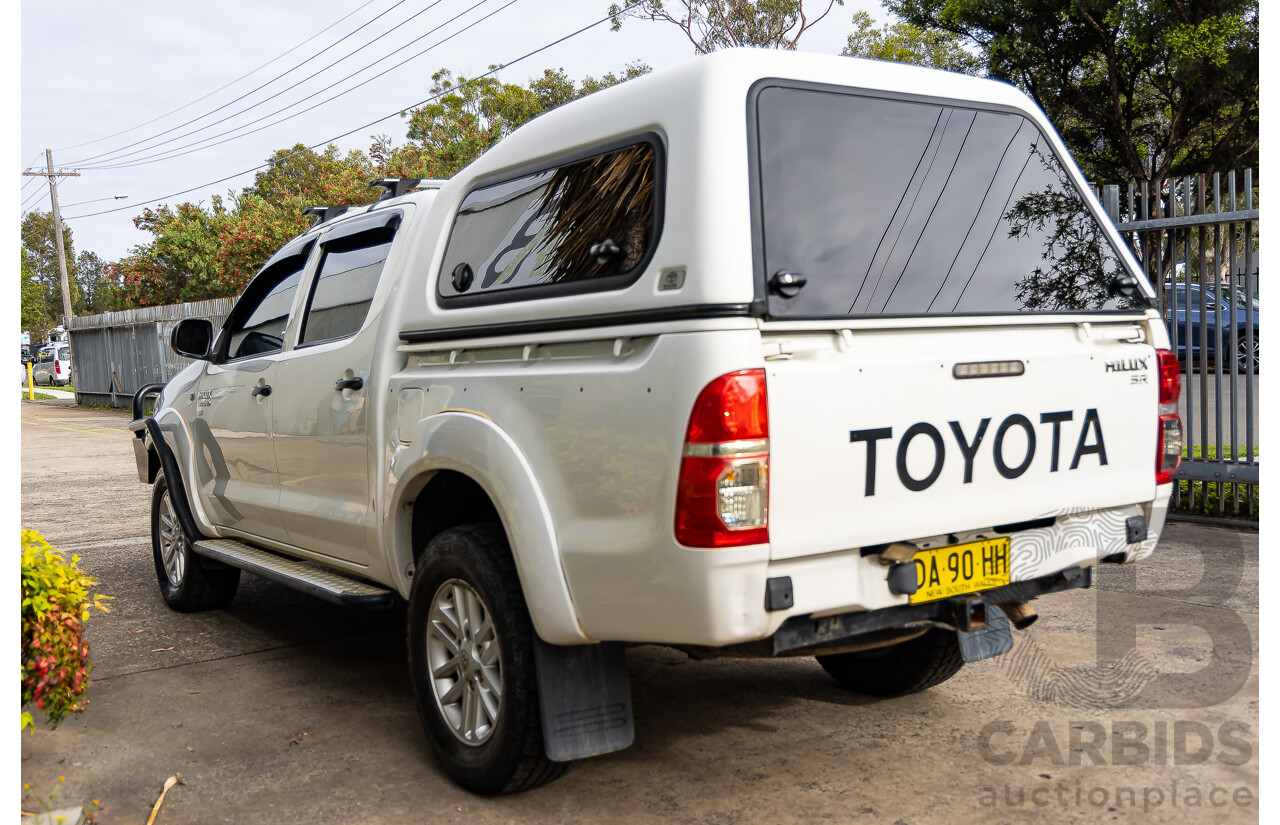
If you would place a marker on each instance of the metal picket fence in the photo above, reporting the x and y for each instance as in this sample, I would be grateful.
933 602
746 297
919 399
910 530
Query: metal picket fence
1197 244
116 353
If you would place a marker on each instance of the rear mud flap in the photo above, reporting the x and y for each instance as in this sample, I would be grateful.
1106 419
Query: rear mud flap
992 638
586 699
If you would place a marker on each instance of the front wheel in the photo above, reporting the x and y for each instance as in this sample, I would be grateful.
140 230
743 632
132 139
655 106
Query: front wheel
472 665
907 667
185 584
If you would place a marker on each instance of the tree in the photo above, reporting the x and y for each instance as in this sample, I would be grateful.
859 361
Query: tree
41 253
1139 89
102 292
179 264
904 43
299 175
198 253
711 25
469 116
34 310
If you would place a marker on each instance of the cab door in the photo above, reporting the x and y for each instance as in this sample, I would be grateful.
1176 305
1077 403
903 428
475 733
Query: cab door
320 407
236 475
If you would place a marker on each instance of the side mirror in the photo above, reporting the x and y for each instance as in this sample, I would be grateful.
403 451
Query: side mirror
192 338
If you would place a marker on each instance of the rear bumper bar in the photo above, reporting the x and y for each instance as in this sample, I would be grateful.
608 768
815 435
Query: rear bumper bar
804 635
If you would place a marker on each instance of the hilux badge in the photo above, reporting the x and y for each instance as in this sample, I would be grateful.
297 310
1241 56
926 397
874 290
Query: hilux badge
1127 365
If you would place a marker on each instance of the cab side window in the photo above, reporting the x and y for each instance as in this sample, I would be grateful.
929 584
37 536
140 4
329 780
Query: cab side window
261 331
345 285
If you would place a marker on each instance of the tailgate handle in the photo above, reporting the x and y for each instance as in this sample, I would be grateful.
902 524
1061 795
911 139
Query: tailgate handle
1133 333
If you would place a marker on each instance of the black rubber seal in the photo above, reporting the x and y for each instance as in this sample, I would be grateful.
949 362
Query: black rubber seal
685 312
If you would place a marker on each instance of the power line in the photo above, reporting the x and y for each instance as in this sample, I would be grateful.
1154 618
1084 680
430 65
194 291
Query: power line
396 113
30 165
95 200
177 153
246 94
220 88
34 196
110 163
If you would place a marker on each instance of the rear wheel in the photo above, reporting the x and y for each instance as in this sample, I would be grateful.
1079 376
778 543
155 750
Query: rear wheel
184 582
907 667
472 665
1246 356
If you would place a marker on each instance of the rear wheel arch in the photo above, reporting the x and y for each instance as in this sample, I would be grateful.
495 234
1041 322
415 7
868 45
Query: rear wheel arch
447 498
475 460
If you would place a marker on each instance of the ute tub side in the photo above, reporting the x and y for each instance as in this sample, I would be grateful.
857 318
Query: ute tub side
469 443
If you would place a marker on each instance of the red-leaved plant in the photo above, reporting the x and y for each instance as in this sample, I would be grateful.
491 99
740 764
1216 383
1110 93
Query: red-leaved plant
55 605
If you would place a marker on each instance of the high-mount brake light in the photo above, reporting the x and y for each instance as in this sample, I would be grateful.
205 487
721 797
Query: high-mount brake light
1169 435
722 495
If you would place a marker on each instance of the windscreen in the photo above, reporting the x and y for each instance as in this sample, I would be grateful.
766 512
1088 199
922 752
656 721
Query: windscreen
896 207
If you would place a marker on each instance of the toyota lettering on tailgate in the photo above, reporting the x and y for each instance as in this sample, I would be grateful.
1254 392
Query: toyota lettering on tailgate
968 440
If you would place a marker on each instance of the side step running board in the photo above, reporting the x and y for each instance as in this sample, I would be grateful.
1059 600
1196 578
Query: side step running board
327 584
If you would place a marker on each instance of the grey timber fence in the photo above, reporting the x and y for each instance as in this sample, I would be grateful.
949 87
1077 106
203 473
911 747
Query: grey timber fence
1196 237
116 353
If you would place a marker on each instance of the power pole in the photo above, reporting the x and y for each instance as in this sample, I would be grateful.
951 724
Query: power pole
57 225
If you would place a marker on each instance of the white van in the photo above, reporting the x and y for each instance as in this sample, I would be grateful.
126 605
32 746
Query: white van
53 365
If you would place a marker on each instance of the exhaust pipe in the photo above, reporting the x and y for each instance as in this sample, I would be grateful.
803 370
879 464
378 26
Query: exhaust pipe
1021 615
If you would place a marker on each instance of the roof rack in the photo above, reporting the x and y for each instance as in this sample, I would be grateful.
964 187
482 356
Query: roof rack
323 213
395 187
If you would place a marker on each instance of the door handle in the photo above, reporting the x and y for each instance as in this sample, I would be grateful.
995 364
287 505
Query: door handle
349 384
264 391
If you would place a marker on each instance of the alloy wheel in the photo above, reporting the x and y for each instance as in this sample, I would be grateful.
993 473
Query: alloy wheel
466 662
1246 358
172 542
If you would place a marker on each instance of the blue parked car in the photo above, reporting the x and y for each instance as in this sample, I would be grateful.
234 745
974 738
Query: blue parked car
1218 323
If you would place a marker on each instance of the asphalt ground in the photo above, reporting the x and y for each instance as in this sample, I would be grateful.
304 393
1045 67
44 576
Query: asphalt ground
1135 701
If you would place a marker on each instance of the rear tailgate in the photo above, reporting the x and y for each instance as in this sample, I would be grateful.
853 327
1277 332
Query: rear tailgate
874 438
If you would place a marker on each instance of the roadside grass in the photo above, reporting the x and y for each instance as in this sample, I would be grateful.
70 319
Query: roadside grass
1211 451
67 388
39 397
147 409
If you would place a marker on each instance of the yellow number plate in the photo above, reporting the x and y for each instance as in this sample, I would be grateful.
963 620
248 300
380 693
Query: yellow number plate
961 568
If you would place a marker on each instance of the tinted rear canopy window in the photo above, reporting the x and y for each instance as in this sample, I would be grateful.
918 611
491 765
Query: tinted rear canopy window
896 207
590 220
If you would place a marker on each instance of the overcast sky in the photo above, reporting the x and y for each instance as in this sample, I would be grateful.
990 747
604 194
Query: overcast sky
103 81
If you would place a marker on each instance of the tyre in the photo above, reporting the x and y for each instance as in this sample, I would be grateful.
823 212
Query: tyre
907 667
186 585
471 662
1246 358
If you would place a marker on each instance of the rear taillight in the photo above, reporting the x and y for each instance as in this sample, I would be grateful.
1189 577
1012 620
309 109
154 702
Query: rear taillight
1170 381
722 496
1169 438
57 367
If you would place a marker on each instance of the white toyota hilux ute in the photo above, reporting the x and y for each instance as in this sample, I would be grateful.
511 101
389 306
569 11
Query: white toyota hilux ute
768 354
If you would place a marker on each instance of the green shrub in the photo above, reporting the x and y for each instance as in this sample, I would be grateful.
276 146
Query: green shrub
55 605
